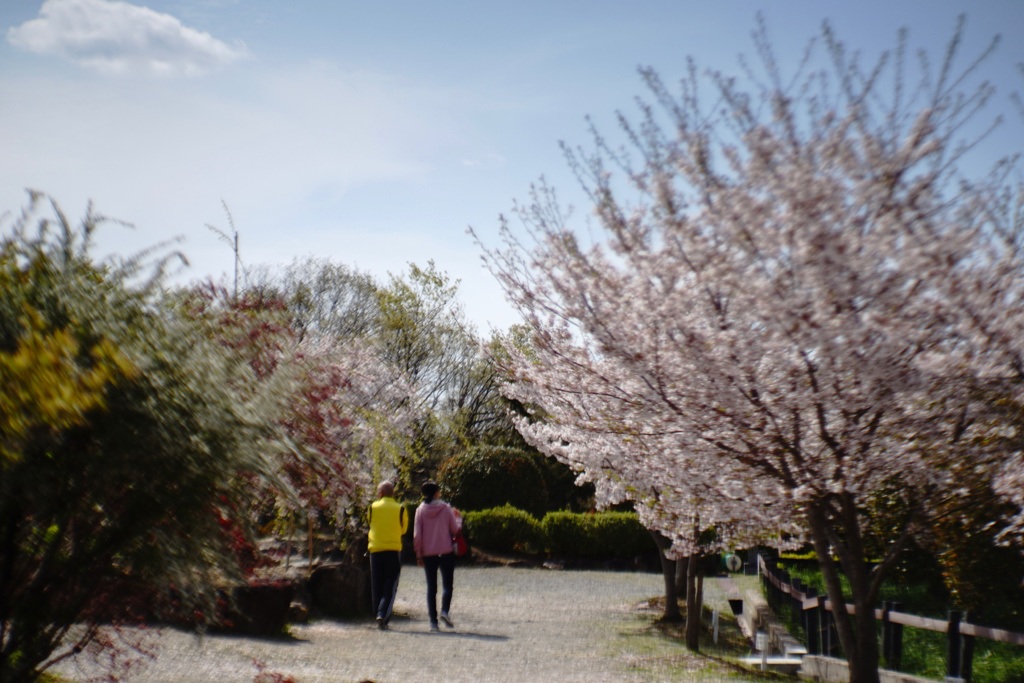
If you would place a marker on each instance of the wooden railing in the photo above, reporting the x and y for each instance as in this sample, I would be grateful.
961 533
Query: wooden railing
815 614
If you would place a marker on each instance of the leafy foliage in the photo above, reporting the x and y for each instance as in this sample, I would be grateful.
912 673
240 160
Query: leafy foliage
504 529
46 387
350 415
322 297
414 330
602 535
128 473
924 651
489 477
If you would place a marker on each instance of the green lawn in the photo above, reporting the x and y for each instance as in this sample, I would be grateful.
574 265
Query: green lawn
924 652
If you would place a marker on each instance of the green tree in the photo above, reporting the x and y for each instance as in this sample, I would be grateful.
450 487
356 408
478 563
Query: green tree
487 477
415 326
560 482
422 332
126 480
323 297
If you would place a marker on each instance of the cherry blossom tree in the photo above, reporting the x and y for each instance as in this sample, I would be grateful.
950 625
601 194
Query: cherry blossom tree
357 414
600 432
349 416
1011 485
796 299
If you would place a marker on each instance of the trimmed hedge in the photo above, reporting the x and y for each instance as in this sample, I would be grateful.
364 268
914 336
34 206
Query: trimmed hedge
504 529
602 535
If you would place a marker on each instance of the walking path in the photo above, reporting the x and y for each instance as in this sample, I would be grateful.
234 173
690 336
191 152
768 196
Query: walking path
511 624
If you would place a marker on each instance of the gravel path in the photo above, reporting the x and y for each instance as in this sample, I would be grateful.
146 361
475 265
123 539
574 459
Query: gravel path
511 624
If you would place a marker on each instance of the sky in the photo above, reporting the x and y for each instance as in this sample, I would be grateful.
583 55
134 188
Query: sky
375 133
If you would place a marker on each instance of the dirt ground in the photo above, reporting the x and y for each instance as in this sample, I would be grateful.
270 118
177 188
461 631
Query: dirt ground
511 624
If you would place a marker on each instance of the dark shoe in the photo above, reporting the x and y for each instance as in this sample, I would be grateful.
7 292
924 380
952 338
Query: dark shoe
381 624
447 620
434 628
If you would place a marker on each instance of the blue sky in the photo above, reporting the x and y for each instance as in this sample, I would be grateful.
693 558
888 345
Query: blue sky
374 133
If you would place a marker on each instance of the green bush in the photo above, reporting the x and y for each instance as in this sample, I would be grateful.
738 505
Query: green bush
623 534
486 477
569 534
597 536
563 491
504 529
604 535
129 426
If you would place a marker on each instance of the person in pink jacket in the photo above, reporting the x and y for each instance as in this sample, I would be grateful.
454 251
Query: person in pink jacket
436 523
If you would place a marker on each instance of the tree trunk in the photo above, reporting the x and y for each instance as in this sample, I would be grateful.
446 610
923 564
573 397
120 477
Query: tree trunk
859 641
700 593
855 567
681 578
668 573
310 535
867 645
693 607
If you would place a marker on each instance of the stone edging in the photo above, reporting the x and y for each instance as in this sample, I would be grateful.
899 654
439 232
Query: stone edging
826 669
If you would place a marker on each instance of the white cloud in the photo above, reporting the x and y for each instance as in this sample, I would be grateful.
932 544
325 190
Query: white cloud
120 38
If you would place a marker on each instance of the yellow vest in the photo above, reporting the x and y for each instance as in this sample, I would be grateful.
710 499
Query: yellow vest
388 523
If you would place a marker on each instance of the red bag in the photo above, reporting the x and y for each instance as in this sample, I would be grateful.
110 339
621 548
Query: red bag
459 544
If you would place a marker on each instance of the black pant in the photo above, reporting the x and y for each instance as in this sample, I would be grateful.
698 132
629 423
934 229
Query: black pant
385 568
447 565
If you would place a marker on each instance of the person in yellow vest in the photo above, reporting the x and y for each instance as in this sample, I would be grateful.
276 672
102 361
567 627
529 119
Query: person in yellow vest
388 523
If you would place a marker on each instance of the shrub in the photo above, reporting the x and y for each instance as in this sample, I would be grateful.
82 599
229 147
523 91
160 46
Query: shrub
126 437
563 491
504 529
623 535
569 533
483 478
603 535
599 536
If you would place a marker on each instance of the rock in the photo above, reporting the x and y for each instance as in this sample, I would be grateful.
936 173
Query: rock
342 589
259 609
298 612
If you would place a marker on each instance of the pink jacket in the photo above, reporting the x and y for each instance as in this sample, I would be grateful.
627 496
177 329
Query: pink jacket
436 523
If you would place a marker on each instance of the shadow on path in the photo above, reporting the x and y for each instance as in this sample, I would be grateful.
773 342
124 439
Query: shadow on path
453 634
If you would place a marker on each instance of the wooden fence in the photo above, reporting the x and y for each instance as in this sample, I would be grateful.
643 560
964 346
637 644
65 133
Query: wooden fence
815 614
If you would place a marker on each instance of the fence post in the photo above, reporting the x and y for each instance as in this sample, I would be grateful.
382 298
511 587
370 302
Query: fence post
886 631
831 635
769 571
967 665
896 642
780 596
812 624
953 650
773 590
801 614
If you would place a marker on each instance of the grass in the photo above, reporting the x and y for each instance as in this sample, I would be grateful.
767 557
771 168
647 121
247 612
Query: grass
924 651
656 649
